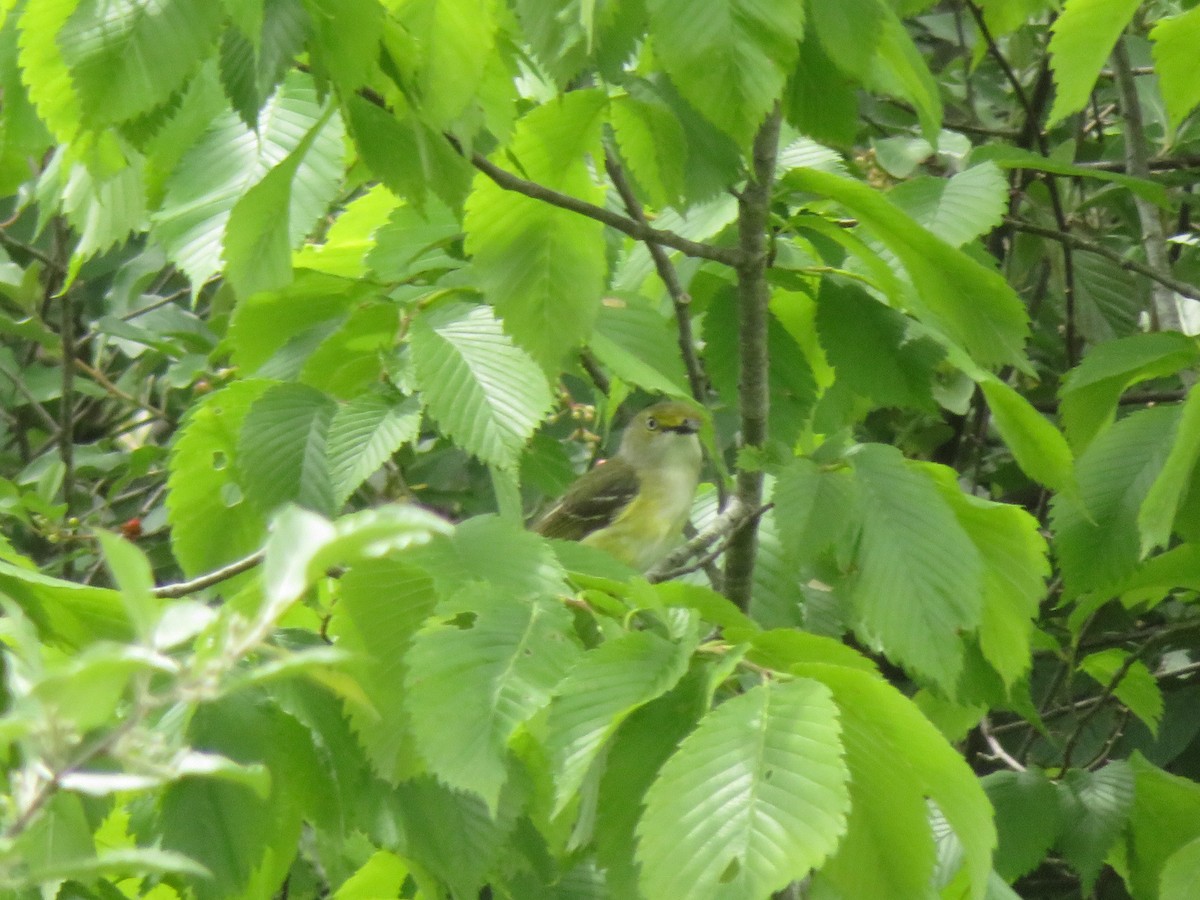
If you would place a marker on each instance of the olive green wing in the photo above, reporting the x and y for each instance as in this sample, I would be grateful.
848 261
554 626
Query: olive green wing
591 503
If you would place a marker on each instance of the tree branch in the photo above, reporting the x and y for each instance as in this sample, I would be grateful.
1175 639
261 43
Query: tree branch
1124 262
753 381
670 278
705 546
183 588
1154 240
637 230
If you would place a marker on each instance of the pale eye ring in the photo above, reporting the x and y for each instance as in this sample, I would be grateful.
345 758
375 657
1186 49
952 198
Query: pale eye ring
652 423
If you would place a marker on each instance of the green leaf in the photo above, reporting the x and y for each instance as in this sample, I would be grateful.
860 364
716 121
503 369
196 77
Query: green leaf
455 40
269 326
345 40
245 840
450 832
415 241
256 55
60 836
1137 689
542 267
381 604
1096 806
1180 873
1038 447
917 584
303 545
754 797
472 681
600 692
1084 37
653 145
898 761
351 238
1110 301
230 158
957 209
1008 157
135 861
105 211
820 101
1096 536
991 326
485 393
640 347
497 551
133 575
637 751
363 435
45 70
816 507
899 69
1156 518
382 875
871 349
1175 38
282 449
1164 821
258 240
1028 819
128 56
354 356
1091 390
211 521
728 59
1016 566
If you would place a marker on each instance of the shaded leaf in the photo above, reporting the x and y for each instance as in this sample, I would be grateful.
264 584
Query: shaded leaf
471 684
1096 806
918 579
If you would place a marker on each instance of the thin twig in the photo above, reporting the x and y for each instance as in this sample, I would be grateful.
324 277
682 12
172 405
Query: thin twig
639 231
183 588
10 242
1104 696
101 379
48 420
670 279
1154 165
998 751
1124 262
694 554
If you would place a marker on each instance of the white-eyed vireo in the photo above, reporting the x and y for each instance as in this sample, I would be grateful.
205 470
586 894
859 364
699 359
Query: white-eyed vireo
636 504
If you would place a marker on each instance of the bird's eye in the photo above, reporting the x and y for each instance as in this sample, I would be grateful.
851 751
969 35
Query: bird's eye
652 423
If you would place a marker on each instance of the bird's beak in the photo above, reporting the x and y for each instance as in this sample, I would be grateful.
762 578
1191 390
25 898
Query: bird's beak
687 425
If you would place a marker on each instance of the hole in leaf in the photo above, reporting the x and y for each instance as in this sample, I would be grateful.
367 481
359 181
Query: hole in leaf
731 871
219 460
231 494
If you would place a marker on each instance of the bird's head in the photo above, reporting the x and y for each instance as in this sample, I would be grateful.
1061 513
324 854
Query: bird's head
661 434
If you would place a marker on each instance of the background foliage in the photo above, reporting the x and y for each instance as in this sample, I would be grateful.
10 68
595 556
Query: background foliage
305 305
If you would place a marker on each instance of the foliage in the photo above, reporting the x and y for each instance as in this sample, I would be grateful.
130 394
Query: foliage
305 305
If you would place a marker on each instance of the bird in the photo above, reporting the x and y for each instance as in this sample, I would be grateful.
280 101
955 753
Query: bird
636 504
